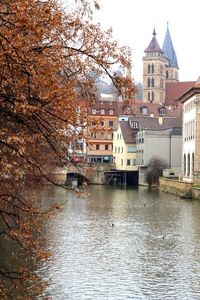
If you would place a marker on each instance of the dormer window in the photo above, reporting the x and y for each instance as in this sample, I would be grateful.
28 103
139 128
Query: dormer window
102 111
134 124
94 111
162 111
110 111
144 110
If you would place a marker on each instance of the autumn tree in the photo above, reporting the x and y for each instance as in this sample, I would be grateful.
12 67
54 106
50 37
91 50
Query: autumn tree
46 55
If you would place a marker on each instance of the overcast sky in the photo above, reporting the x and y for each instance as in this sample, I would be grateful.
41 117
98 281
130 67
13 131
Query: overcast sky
133 23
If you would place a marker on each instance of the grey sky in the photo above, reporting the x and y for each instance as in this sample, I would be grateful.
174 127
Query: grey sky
133 23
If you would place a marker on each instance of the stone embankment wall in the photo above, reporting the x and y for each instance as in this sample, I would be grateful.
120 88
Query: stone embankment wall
179 188
196 193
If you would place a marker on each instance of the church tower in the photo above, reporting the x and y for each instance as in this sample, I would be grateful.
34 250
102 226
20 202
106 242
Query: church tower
159 66
154 63
172 67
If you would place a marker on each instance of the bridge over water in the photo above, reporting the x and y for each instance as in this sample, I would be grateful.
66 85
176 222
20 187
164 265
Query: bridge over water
96 173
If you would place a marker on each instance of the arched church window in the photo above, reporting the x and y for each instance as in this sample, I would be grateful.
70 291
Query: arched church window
152 96
152 68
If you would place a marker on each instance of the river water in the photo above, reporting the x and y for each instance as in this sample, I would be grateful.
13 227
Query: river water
152 250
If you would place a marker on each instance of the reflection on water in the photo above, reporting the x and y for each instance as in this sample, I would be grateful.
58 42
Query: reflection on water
151 252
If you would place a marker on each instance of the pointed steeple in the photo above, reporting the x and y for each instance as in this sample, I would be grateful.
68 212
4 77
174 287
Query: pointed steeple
153 46
169 51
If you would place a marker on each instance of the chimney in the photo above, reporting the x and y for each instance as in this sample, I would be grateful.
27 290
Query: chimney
160 120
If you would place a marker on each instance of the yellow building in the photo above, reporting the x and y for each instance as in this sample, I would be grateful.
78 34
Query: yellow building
124 146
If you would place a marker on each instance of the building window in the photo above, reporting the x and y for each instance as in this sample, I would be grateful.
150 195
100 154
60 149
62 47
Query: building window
192 162
102 123
122 162
110 136
167 74
131 149
149 96
106 147
149 68
162 111
152 96
115 149
110 111
152 82
134 124
152 68
122 149
102 111
134 162
128 163
93 135
97 147
118 149
94 111
149 82
188 165
110 123
101 135
144 110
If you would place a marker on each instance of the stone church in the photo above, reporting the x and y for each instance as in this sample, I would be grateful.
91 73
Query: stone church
161 73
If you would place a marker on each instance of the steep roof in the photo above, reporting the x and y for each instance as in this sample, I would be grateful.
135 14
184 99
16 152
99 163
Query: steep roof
174 90
127 132
106 105
153 46
153 109
155 123
195 89
169 51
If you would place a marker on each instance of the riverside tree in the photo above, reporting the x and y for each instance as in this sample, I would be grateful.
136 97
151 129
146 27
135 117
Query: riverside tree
154 171
46 55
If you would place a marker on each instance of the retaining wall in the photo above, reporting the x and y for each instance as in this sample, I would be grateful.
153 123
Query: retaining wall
177 187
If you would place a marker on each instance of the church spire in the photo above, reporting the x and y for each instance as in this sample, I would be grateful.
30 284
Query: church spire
153 46
169 51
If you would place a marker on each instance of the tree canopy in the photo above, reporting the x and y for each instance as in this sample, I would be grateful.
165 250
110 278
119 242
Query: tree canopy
46 56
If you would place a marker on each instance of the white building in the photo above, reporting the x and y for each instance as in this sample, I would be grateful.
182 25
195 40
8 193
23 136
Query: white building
191 133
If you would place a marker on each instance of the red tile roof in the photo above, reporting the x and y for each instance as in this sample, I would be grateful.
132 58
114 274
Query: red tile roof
174 90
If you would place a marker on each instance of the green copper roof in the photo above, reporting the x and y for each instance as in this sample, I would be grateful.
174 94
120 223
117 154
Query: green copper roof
169 51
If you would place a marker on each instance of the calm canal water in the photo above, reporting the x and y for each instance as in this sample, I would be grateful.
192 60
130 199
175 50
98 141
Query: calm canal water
151 252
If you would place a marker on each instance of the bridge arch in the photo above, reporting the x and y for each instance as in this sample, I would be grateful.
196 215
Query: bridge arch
76 179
